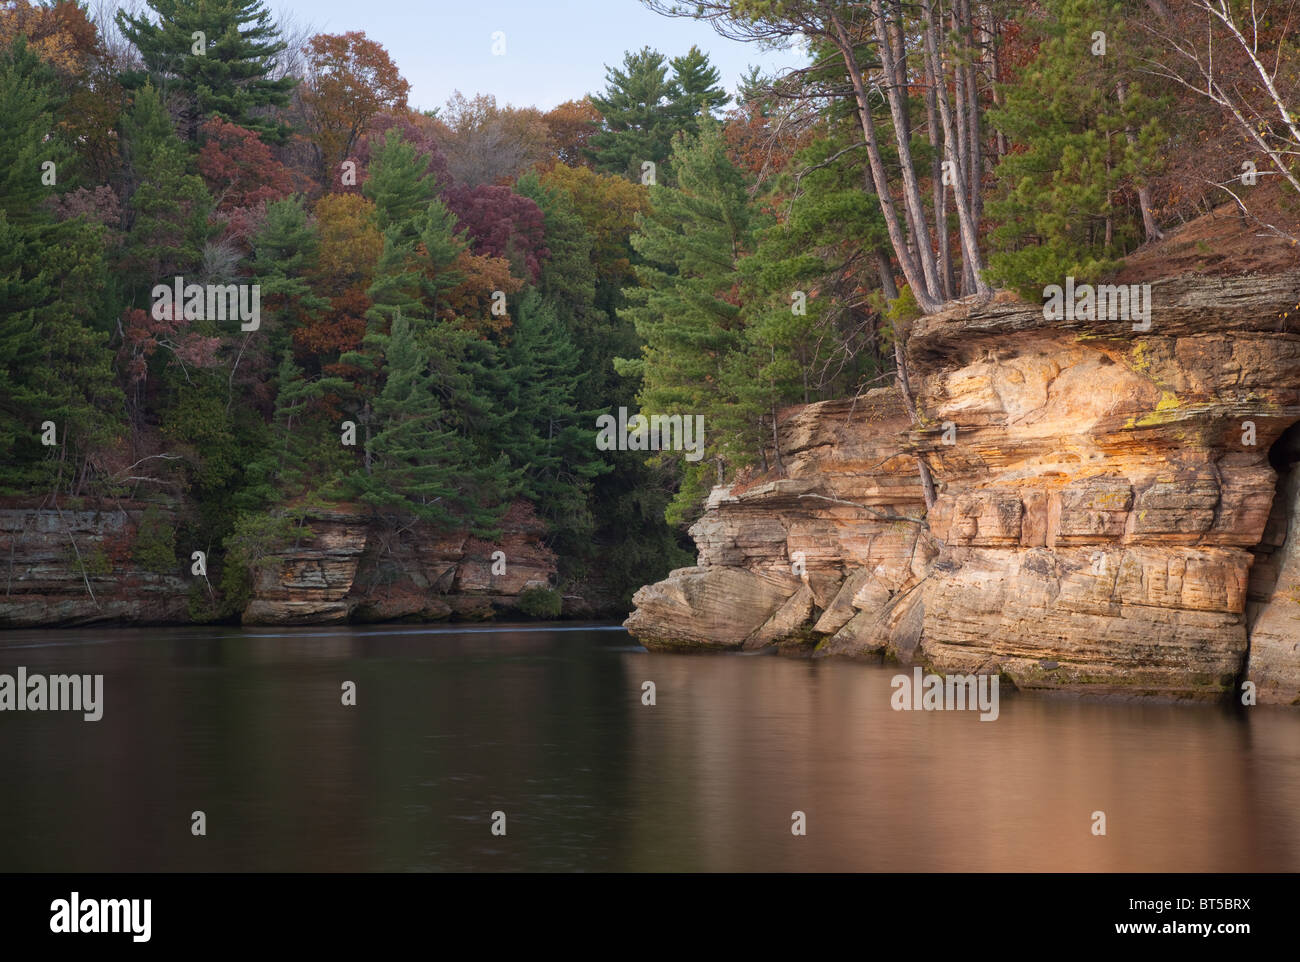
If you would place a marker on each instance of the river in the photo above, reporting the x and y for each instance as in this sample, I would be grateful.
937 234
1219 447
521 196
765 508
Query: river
546 724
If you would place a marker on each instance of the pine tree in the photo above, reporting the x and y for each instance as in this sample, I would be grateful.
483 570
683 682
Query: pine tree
228 71
283 256
168 213
637 128
809 329
56 367
686 309
417 464
550 438
568 286
1056 205
697 87
29 96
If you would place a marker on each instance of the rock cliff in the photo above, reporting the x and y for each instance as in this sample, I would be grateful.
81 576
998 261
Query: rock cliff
66 567
117 564
351 568
1103 493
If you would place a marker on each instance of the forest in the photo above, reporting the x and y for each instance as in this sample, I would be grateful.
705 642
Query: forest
429 311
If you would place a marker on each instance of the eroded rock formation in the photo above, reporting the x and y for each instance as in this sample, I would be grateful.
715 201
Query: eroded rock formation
352 568
66 567
1103 494
343 567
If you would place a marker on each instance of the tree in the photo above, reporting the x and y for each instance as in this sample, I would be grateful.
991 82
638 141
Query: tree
568 286
285 253
571 126
28 99
686 309
697 87
56 368
238 168
548 436
883 45
490 145
168 212
812 318
501 223
416 463
637 127
1058 207
1242 60
608 206
214 56
351 80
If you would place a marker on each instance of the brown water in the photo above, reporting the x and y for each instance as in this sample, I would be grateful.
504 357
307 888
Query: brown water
547 725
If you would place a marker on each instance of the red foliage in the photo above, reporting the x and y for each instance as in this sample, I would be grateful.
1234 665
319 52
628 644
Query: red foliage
501 223
238 168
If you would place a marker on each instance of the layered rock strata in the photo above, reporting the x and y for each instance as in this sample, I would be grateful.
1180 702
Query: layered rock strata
65 567
351 568
1102 496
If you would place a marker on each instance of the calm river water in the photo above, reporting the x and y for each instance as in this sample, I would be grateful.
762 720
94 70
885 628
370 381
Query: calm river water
547 725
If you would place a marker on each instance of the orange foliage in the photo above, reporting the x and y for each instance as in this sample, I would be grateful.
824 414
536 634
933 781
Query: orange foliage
571 125
469 303
351 79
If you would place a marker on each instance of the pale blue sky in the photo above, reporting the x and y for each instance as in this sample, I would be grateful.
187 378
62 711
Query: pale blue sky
555 49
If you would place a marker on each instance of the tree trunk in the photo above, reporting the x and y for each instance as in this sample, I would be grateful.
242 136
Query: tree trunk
970 242
886 270
905 388
1153 231
893 227
907 167
936 178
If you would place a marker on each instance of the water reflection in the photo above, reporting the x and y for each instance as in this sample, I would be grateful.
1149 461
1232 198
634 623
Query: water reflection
547 725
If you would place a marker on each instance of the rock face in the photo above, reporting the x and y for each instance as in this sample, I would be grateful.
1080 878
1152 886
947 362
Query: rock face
344 568
1102 495
828 533
350 568
46 582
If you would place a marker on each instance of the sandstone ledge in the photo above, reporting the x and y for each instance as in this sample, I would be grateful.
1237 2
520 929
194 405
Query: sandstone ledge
1101 507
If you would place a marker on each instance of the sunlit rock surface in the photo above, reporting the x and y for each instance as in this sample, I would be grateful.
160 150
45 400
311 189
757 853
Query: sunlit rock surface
1100 505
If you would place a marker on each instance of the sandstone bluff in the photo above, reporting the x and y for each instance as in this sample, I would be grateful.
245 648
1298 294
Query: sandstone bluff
1102 523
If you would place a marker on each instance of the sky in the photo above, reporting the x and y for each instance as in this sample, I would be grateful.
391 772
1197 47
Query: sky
555 50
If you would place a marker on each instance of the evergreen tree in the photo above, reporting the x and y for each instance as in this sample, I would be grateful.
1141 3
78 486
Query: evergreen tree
550 438
284 255
686 309
168 214
29 96
697 86
416 463
637 127
228 71
56 367
1056 206
568 286
810 331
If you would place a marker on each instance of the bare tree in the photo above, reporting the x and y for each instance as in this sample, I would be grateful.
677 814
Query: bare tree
1240 62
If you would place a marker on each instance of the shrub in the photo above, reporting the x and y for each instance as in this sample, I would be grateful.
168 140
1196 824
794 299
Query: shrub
540 602
155 543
